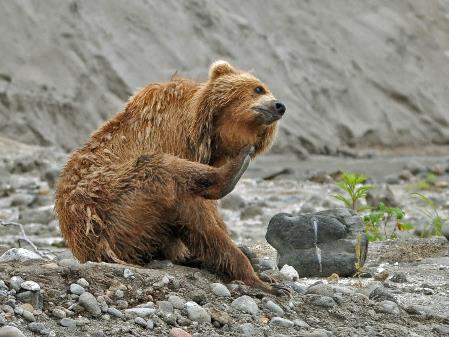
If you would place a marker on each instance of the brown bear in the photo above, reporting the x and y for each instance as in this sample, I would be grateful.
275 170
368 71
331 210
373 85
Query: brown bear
145 185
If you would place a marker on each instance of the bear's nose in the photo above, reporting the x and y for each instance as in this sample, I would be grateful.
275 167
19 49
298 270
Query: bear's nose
279 107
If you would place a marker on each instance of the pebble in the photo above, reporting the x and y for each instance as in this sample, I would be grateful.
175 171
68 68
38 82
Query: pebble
220 290
428 291
127 273
218 316
19 255
76 289
83 282
30 285
177 302
3 285
141 312
115 312
166 307
381 294
248 329
59 313
289 272
68 322
28 316
122 304
177 332
323 301
197 313
88 302
274 308
388 307
198 296
72 264
36 327
278 321
15 282
300 323
321 289
10 331
140 321
119 293
245 304
233 202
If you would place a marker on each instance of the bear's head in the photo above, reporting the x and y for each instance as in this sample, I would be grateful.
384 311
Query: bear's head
243 111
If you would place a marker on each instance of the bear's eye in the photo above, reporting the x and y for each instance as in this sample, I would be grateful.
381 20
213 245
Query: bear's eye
259 90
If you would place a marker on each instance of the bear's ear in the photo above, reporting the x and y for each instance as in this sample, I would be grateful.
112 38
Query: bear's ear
219 68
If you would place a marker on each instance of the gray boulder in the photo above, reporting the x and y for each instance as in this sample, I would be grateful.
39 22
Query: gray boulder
319 244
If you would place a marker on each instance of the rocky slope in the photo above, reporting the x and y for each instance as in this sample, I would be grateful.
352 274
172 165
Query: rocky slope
349 72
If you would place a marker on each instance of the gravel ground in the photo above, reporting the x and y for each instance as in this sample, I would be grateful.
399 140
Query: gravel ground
404 290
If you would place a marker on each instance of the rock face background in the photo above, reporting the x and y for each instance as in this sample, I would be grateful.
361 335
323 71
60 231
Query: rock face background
348 71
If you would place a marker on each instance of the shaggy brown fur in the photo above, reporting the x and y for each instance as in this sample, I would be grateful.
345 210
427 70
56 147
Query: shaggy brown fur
145 184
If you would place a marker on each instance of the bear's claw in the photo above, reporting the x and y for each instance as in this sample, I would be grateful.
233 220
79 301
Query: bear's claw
281 290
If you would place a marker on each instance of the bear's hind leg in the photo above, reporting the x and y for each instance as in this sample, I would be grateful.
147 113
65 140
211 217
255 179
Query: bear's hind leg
208 242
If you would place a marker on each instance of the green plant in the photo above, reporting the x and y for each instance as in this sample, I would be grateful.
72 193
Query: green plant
427 183
378 221
354 188
436 221
359 263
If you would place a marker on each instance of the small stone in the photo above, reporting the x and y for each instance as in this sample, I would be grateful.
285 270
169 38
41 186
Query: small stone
399 278
300 289
59 313
83 283
381 294
166 307
388 307
68 322
381 276
177 332
321 289
245 304
177 302
72 264
198 296
30 285
289 272
19 255
278 321
267 264
76 289
127 273
197 313
10 331
122 304
88 302
233 202
119 293
140 321
251 212
274 308
27 306
218 316
428 291
248 329
323 301
220 290
141 312
36 327
28 316
300 323
150 324
115 312
15 282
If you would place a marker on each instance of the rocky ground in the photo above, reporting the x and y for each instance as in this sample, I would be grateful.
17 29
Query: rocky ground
404 290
